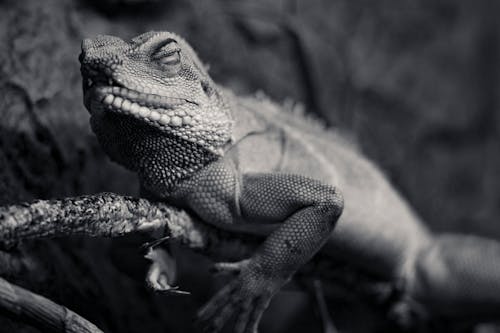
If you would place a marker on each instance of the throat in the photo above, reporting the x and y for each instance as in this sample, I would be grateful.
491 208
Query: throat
161 160
171 161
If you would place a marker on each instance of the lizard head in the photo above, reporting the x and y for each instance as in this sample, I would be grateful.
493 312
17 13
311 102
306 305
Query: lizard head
157 79
153 106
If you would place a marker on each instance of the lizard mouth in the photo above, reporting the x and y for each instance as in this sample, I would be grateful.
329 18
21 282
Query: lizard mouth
102 93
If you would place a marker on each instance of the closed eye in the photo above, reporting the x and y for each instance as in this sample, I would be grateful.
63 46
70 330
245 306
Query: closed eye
171 59
168 54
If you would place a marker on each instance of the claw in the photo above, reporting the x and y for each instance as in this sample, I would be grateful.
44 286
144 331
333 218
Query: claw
246 297
213 306
256 315
176 290
242 319
222 318
148 246
162 272
328 326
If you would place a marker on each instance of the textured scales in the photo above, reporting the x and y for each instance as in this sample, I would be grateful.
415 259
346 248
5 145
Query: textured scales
170 106
245 165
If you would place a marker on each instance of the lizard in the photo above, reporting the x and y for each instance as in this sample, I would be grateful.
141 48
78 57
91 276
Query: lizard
244 165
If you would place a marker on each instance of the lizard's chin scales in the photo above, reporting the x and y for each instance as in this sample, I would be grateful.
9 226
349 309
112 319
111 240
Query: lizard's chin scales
160 159
178 116
164 113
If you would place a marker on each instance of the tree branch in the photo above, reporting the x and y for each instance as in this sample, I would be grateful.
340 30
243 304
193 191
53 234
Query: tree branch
42 311
112 215
102 215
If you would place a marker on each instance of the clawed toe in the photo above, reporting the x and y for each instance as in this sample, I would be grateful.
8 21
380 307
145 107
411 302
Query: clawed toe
225 305
245 299
243 316
209 310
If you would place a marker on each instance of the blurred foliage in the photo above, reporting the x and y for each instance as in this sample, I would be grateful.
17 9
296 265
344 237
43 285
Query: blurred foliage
416 82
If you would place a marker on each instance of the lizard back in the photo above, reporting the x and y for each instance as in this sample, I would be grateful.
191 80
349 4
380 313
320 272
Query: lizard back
281 139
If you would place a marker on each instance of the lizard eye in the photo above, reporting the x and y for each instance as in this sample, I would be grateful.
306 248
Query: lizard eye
168 54
171 58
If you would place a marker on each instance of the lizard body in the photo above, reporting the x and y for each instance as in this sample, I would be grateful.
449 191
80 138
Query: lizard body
301 147
246 165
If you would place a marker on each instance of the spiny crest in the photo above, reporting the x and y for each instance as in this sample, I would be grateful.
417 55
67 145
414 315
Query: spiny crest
293 113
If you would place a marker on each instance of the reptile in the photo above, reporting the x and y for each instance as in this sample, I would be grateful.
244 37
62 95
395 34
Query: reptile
247 166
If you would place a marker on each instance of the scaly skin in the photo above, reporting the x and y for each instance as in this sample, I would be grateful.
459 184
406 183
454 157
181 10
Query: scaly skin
245 165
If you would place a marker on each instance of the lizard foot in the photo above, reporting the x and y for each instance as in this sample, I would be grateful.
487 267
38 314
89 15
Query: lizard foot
162 272
244 298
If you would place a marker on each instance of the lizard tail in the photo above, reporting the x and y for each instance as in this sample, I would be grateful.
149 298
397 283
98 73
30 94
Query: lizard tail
459 276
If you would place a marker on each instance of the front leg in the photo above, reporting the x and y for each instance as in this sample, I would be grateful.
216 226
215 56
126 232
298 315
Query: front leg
307 211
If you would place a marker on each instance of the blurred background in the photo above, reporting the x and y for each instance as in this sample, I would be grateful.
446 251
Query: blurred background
416 83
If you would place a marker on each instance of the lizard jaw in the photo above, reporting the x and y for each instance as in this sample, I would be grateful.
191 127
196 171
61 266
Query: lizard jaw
160 111
173 115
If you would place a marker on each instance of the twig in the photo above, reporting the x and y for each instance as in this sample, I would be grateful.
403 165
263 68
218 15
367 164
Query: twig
102 215
113 215
105 215
42 311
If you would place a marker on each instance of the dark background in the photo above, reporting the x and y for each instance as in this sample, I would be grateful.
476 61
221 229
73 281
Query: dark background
414 82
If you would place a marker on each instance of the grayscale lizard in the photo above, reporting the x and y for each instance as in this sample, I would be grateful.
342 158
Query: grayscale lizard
245 165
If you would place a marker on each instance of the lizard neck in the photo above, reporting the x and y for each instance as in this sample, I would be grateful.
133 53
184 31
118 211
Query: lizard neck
161 160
